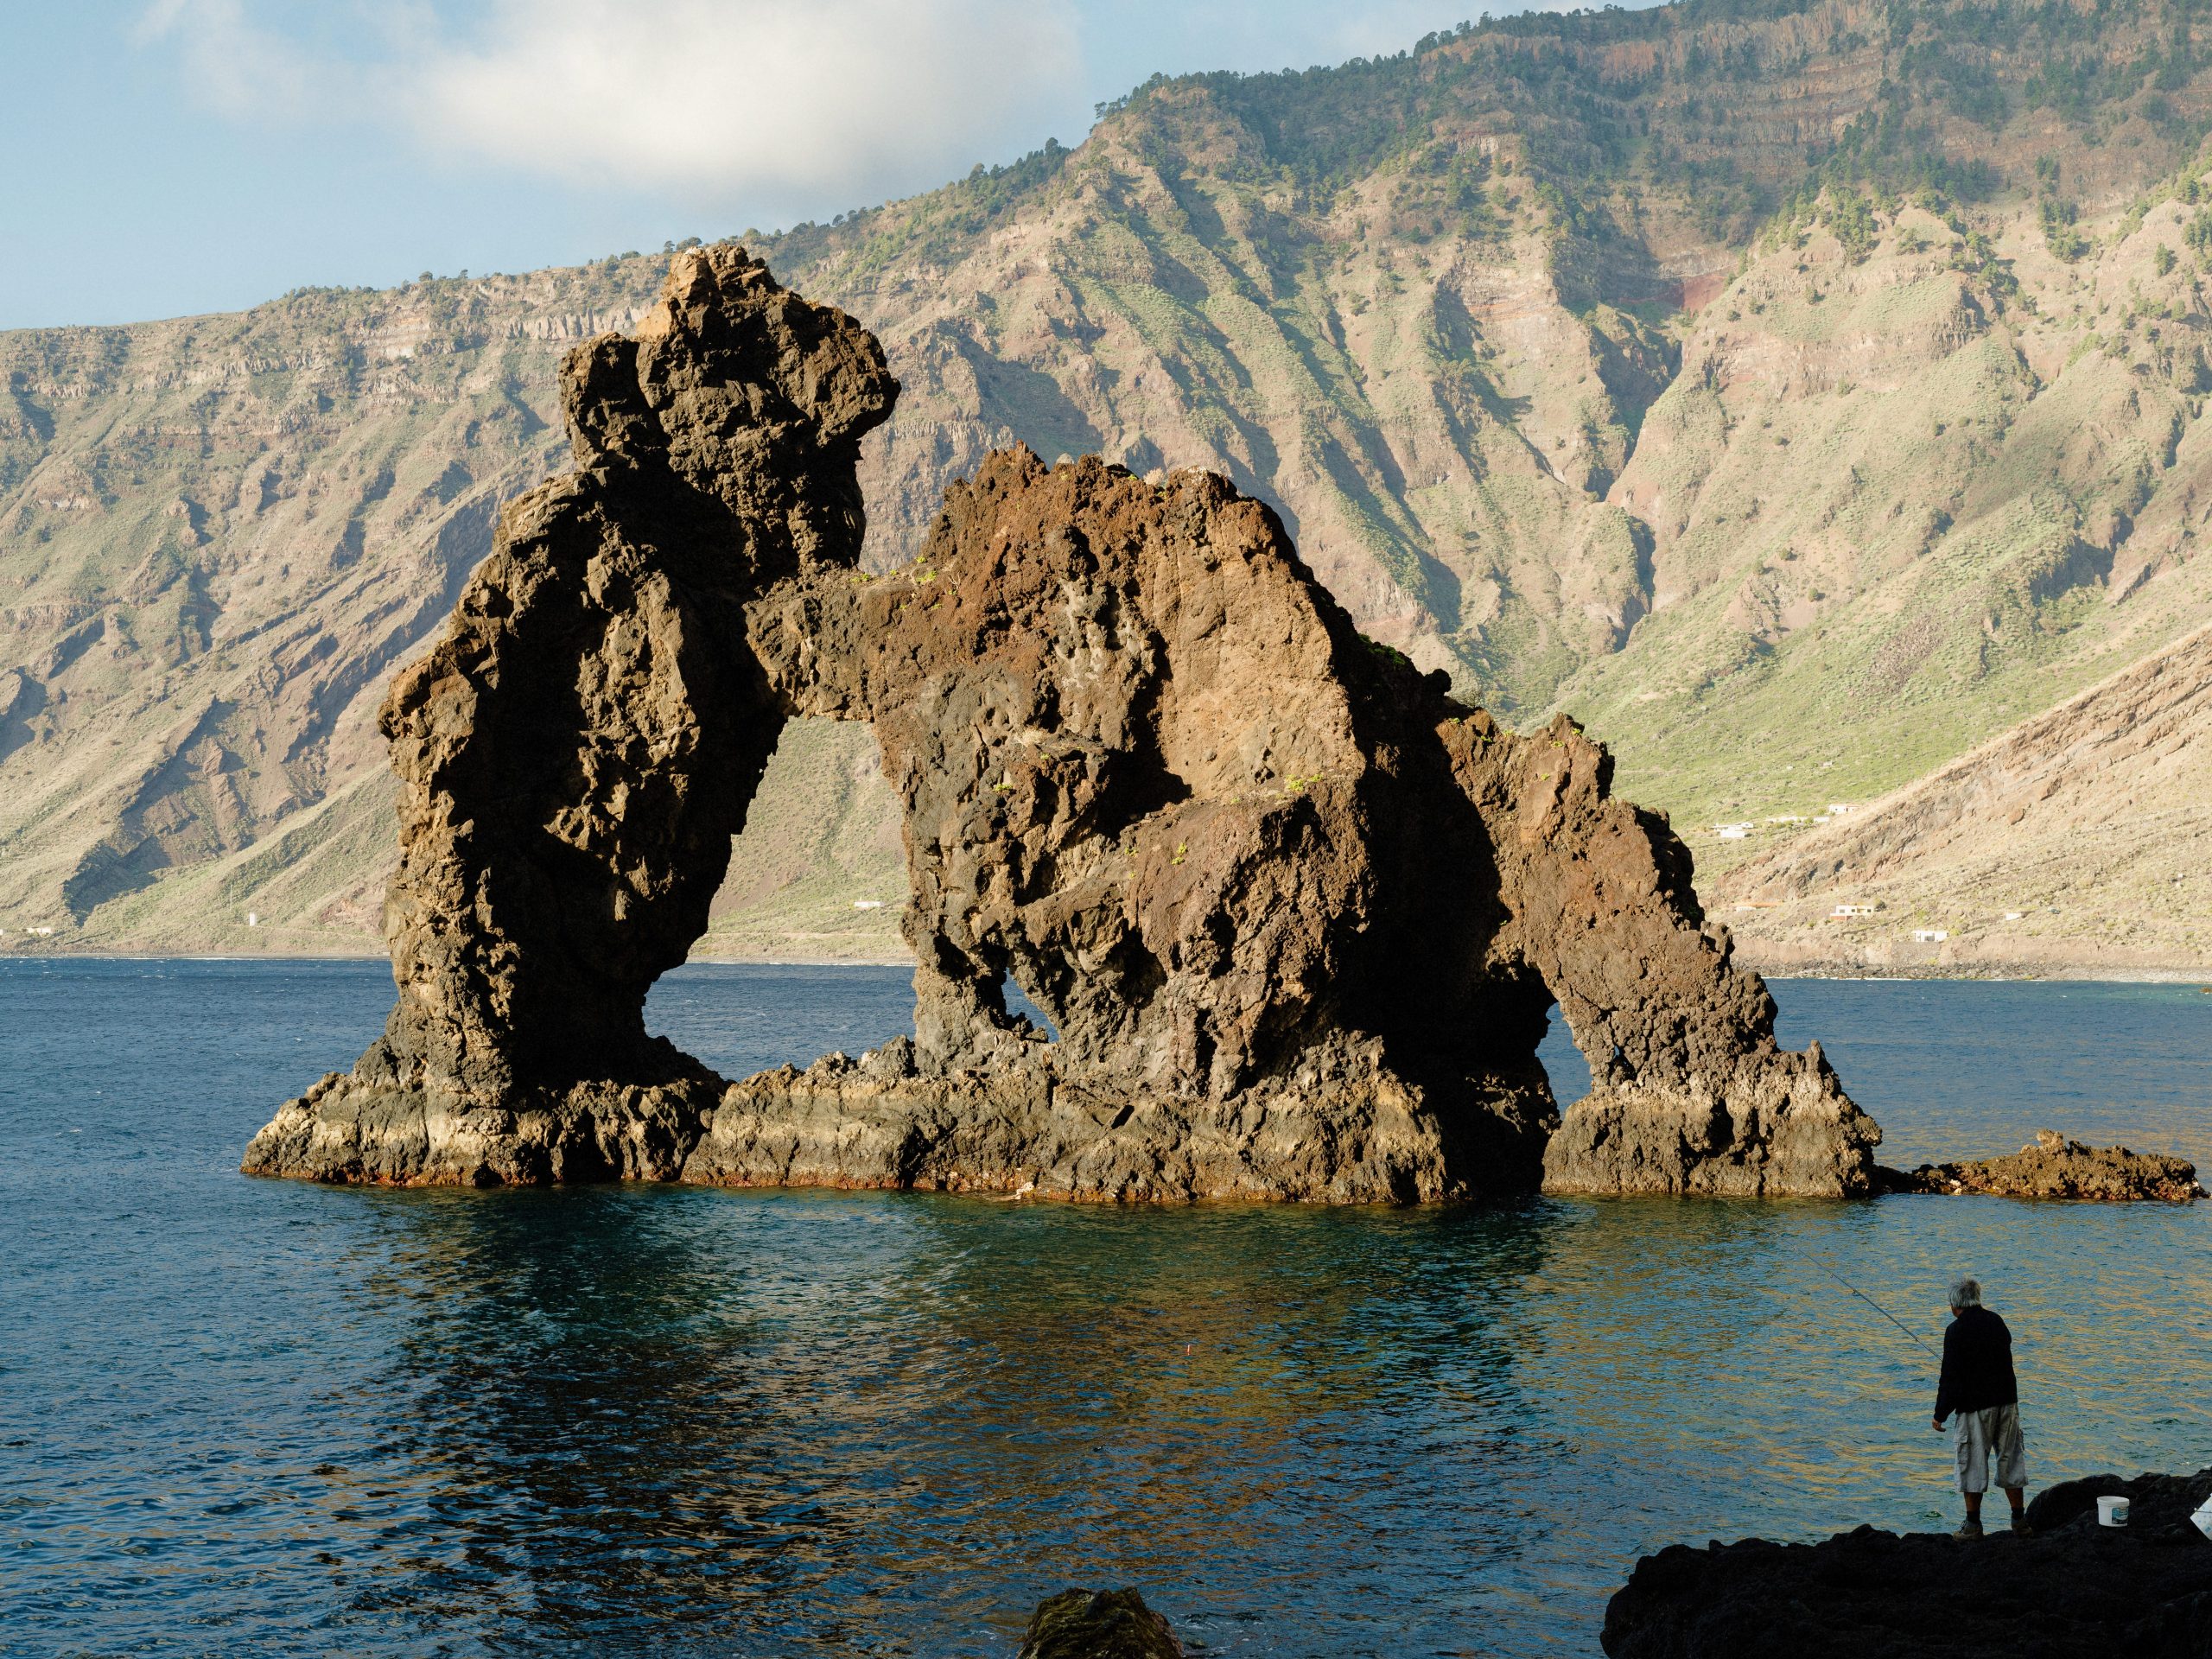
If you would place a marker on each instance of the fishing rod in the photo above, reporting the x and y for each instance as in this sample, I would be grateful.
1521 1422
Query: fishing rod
1871 1303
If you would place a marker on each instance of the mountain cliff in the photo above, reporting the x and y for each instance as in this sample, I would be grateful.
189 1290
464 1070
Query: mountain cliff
2082 838
1802 395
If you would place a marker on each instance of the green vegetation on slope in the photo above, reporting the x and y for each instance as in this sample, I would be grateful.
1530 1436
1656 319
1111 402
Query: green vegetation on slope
1798 393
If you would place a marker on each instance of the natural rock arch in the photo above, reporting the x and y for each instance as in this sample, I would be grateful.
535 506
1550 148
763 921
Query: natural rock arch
1296 915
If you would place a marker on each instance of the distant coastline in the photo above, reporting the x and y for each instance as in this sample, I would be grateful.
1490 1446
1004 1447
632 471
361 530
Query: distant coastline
2091 973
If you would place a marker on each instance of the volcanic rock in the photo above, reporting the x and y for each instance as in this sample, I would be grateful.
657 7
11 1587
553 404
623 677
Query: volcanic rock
1098 1624
2055 1168
1296 914
2072 1588
1296 917
575 752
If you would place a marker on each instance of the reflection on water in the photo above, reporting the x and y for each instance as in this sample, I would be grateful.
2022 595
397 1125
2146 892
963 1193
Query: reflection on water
260 1417
837 1419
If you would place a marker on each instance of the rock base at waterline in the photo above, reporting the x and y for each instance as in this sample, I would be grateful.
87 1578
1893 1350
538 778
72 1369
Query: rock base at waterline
2055 1168
349 1131
2073 1588
1784 1127
1358 1134
1098 1624
1354 1134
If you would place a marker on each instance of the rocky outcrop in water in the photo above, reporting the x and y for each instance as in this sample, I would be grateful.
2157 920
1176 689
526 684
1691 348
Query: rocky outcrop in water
2055 1168
577 750
1296 915
2072 1588
1098 1624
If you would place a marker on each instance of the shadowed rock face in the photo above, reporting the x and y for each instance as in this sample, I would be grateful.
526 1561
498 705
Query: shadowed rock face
577 750
1296 916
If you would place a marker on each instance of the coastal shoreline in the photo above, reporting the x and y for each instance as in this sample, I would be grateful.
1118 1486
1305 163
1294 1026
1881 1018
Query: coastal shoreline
2091 974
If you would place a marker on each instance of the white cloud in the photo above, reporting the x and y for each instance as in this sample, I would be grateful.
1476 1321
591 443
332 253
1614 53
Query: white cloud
230 62
771 107
775 99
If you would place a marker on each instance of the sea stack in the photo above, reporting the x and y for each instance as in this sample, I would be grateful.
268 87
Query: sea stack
1295 913
577 749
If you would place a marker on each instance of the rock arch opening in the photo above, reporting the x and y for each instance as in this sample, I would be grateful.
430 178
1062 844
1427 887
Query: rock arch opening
819 871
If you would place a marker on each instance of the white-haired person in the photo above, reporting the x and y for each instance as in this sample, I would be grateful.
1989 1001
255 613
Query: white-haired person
1978 1388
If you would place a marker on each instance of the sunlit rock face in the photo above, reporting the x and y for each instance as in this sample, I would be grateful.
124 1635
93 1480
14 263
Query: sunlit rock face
1296 916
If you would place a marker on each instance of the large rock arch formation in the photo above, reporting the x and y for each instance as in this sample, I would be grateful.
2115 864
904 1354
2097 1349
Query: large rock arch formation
1297 915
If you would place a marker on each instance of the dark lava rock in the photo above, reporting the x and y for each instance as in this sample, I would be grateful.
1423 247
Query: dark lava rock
1296 914
2055 1168
1098 1624
2072 1591
576 752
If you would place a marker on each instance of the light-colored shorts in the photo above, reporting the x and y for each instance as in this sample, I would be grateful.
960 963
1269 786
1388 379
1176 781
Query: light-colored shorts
1994 1431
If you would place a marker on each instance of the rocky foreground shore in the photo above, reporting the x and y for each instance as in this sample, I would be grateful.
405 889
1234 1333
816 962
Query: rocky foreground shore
2069 1588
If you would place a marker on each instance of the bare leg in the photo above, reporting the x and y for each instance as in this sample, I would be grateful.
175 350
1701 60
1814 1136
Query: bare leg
2020 1497
1973 1508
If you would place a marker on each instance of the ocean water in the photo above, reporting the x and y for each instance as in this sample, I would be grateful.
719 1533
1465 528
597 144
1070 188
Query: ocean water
247 1417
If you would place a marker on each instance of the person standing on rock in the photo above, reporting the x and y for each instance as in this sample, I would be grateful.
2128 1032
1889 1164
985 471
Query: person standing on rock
1978 1385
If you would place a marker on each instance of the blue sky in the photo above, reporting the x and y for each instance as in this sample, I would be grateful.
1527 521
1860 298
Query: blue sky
172 157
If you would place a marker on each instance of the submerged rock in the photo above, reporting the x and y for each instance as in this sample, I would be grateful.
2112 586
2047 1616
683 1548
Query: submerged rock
1098 1624
2072 1588
2055 1168
1296 915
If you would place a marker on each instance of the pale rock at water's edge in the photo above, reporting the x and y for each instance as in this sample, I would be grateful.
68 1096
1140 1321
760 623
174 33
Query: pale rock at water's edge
1296 915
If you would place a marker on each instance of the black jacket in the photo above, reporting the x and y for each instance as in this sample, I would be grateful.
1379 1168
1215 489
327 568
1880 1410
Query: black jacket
1977 1365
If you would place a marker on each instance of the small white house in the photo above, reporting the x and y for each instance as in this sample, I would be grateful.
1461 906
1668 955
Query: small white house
1733 831
2013 915
867 904
1844 912
1929 935
1837 808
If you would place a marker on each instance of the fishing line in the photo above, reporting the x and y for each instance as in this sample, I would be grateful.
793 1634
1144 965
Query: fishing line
1871 1303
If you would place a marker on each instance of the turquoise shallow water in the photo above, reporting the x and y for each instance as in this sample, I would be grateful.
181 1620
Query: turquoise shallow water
253 1417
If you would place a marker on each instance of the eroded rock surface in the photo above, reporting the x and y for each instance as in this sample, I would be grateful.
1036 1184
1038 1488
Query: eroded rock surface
1296 915
577 750
2073 1591
2055 1168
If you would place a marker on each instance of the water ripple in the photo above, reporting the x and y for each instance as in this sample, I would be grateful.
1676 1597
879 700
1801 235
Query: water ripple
262 1418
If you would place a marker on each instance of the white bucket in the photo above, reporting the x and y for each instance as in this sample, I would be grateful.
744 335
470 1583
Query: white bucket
2111 1511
